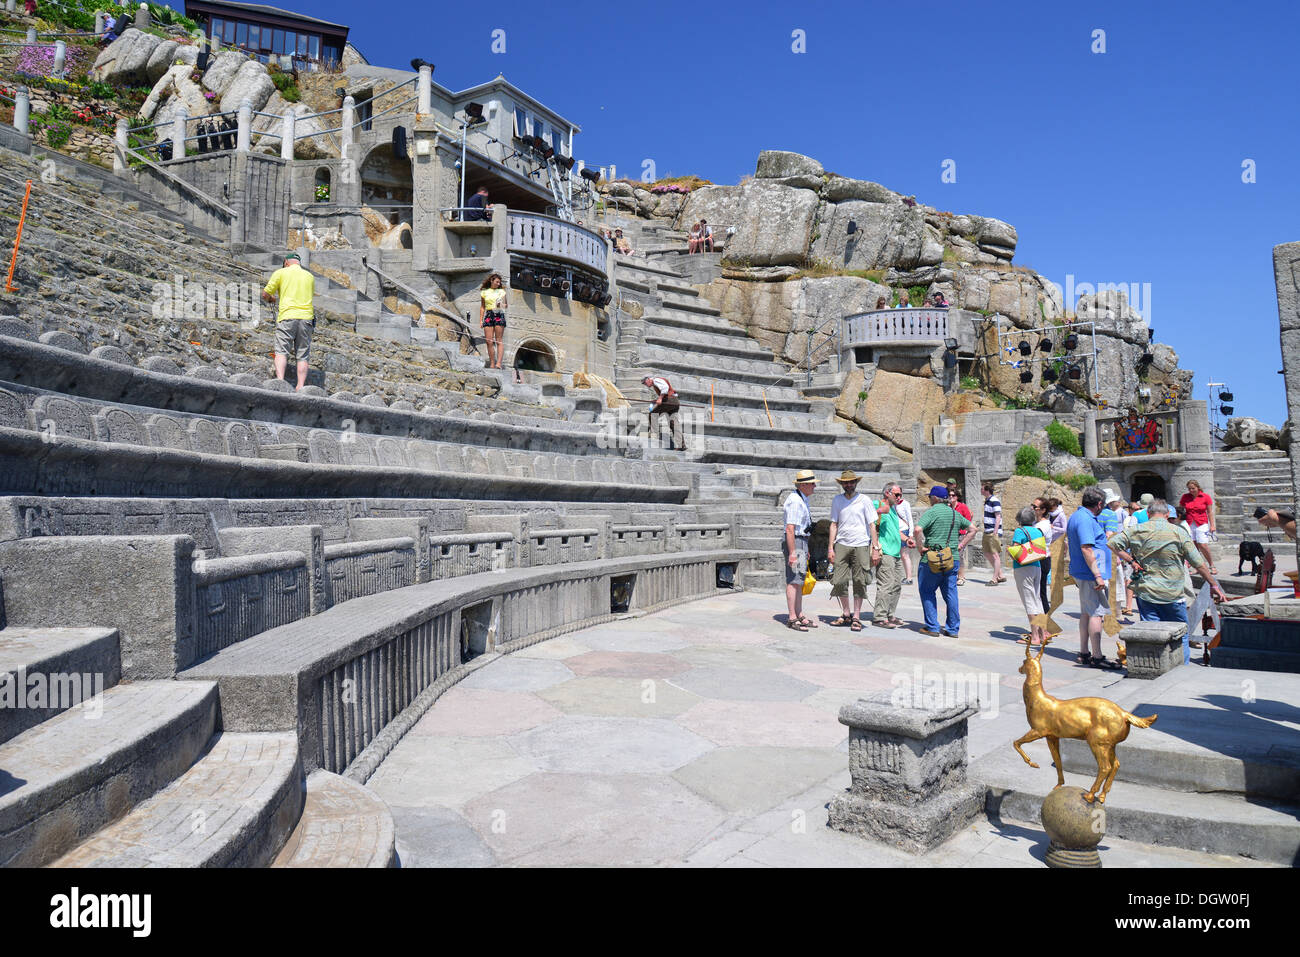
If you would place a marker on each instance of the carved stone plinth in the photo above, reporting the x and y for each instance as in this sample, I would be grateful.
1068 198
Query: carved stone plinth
908 770
1153 647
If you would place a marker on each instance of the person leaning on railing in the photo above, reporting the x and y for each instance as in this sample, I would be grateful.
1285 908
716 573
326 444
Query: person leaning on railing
476 207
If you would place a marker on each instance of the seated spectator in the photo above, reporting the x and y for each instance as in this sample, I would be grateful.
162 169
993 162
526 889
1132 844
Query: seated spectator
476 206
621 245
706 236
903 301
1272 518
693 240
939 301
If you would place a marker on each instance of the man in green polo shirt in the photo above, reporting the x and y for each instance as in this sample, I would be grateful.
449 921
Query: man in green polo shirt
1157 550
889 551
296 288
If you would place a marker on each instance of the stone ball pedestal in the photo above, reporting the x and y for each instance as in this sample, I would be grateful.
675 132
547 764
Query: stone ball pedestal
1075 828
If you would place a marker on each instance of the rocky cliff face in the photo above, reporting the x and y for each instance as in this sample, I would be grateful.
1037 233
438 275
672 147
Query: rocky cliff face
861 241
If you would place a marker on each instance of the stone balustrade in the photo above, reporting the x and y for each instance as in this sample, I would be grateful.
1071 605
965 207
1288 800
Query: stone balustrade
245 595
885 326
546 237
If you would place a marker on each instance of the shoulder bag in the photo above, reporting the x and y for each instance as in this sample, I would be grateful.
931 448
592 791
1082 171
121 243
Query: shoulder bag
940 559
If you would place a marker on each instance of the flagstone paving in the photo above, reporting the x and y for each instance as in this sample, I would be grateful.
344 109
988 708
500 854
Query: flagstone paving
707 735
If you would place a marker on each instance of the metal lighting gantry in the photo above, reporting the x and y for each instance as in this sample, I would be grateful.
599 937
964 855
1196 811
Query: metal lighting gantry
1053 333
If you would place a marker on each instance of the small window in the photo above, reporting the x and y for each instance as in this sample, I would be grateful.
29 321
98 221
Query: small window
302 44
216 27
241 34
254 37
539 128
313 47
228 31
277 41
521 123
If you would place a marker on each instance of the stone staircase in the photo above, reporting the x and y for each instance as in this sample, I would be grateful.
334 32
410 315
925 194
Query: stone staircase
1244 481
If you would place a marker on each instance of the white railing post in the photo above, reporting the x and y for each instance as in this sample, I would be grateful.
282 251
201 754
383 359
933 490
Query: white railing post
10 6
245 136
142 17
179 122
119 154
60 57
424 87
287 134
99 23
349 120
31 35
22 109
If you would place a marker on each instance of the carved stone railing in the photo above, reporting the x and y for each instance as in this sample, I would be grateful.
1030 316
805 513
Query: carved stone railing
1146 433
924 325
549 238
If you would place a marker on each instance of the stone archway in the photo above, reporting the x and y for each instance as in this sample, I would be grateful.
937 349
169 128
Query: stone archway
1144 482
534 355
386 184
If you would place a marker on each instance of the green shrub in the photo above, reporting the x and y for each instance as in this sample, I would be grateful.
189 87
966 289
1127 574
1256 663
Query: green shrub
1027 462
970 382
1064 438
1078 481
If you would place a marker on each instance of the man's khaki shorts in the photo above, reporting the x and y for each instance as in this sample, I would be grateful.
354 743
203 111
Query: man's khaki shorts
990 543
293 338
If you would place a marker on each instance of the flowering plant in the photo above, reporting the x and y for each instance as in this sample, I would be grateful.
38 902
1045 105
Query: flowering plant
672 188
209 96
323 193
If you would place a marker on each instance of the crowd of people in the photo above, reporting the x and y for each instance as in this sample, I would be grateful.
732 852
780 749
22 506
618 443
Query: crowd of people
1147 548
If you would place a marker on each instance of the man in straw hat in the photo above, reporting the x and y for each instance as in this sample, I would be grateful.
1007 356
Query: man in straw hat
852 547
794 548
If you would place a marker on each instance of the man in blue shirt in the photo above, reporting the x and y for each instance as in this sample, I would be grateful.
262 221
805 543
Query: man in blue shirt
1090 562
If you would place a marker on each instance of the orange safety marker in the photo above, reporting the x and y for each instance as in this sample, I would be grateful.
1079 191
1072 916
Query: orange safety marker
13 261
768 411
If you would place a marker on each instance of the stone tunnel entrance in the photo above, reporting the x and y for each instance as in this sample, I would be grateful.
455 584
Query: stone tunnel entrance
1144 482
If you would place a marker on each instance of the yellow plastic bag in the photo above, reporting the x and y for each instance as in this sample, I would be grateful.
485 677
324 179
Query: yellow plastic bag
809 582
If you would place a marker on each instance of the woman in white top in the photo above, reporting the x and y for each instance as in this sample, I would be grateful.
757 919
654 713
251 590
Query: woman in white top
906 529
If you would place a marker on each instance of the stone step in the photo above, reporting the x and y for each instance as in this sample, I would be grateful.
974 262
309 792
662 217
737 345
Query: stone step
764 582
702 344
72 776
65 666
234 807
667 321
1208 823
1200 750
343 824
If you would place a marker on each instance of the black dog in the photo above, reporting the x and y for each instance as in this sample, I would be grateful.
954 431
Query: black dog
1252 552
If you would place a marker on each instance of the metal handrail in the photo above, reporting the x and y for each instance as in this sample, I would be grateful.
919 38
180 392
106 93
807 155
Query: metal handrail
371 119
425 304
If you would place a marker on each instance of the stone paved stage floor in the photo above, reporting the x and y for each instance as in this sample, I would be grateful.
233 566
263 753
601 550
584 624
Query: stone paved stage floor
707 735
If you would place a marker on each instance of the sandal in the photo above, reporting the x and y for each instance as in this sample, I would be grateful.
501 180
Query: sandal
1085 658
896 621
808 622
794 624
856 625
884 623
841 621
1104 663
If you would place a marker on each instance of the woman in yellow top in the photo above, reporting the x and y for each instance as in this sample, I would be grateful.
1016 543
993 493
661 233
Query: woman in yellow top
492 314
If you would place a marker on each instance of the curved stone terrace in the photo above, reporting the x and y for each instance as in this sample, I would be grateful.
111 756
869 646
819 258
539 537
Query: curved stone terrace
707 735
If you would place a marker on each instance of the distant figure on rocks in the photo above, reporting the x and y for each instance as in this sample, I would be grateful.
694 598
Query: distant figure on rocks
476 207
621 245
296 319
492 316
706 236
29 7
794 548
881 303
939 301
1272 518
666 403
694 239
203 133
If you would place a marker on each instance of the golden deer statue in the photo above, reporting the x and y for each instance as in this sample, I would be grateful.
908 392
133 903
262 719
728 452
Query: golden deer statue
1102 723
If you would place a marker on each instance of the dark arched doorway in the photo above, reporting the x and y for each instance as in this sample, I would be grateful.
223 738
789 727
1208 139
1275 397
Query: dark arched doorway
535 356
1147 482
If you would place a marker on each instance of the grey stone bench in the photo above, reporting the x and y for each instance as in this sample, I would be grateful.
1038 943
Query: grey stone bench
339 679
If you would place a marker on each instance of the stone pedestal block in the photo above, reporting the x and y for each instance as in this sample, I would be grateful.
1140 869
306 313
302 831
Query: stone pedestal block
1153 647
908 770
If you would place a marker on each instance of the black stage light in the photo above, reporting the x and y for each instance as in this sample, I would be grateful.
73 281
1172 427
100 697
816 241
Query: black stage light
1024 347
1225 396
1045 345
1225 410
1049 374
1074 372
950 344
589 174
1027 376
1071 342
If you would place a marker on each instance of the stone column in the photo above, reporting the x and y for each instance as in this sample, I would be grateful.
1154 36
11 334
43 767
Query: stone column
22 109
1090 434
142 17
348 119
425 89
119 154
60 57
179 123
287 134
907 764
1286 277
426 174
245 137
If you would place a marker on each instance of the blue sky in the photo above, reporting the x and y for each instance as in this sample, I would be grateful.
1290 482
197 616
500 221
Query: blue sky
1122 166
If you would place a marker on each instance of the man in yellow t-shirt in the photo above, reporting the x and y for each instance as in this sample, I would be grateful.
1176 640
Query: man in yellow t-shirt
296 288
